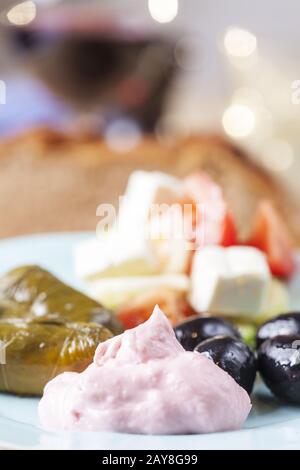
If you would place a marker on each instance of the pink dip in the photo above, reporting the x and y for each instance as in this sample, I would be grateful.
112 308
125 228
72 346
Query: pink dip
143 381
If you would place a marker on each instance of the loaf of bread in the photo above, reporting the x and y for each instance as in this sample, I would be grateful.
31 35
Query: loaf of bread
50 181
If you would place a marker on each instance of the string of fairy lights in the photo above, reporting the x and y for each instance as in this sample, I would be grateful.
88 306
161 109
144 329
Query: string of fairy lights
261 107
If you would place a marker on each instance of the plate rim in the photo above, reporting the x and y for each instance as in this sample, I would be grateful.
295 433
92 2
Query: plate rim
66 237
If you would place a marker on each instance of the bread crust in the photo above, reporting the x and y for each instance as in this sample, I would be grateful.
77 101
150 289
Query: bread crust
51 181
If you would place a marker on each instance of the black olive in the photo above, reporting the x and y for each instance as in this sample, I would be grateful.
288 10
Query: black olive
193 331
279 366
233 356
285 324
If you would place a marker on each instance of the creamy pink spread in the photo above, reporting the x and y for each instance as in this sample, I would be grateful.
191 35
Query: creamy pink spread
144 382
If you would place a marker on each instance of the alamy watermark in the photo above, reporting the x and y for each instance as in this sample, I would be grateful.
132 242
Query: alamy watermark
156 222
289 355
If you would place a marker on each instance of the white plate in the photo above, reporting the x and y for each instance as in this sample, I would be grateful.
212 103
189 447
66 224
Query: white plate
270 425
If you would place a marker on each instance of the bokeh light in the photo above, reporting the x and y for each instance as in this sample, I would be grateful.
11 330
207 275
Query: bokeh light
239 42
163 11
122 135
22 13
238 121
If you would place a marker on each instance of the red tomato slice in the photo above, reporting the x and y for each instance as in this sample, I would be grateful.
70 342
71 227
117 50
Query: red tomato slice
271 235
214 219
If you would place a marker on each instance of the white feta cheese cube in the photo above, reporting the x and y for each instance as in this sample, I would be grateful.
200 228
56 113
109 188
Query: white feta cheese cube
229 281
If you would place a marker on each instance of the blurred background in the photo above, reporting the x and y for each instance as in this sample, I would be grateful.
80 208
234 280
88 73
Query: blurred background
166 67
